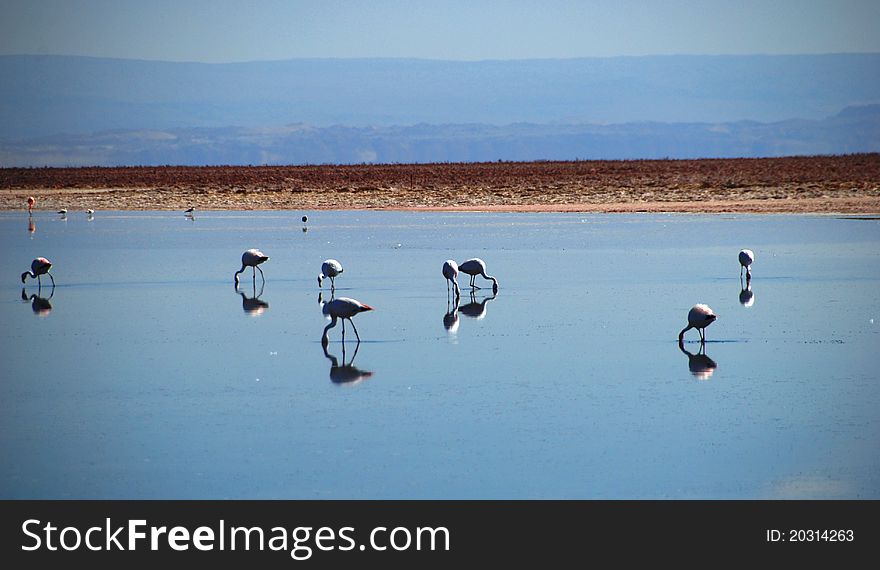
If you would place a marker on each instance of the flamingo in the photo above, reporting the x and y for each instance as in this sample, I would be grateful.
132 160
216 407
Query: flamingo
699 317
342 308
252 258
39 266
474 267
330 268
30 202
746 258
450 272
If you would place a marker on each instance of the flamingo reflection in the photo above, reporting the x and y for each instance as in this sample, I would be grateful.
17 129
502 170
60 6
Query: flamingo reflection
32 227
253 305
700 365
346 373
40 305
476 309
746 295
451 319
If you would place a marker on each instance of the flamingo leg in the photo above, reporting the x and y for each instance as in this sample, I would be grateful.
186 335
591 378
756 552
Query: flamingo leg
343 332
261 274
333 284
355 330
52 278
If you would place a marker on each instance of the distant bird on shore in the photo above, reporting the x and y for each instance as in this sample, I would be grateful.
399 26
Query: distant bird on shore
699 317
342 308
474 267
63 211
746 258
450 272
330 268
30 202
252 258
90 212
189 211
39 266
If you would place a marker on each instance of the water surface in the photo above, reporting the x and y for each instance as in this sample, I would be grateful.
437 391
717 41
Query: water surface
146 374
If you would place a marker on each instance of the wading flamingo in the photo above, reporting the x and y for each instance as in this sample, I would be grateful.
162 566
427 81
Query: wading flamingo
330 268
699 317
746 258
450 272
39 266
31 201
252 258
474 267
342 308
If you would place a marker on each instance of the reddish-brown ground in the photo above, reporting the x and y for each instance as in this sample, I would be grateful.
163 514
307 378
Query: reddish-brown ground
845 184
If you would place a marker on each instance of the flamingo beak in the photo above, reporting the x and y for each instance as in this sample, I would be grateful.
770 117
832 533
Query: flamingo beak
366 308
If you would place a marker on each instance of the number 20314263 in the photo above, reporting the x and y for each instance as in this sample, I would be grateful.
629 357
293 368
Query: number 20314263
809 535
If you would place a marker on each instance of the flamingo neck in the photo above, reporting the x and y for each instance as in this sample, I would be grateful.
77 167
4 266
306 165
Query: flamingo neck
239 271
684 330
325 338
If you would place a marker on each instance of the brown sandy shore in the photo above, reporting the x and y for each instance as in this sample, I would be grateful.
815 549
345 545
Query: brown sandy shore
848 184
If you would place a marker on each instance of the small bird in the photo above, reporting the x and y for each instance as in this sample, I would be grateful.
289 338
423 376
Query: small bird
699 317
90 212
30 202
474 267
39 266
252 258
330 268
746 258
450 272
342 308
189 211
63 211
305 219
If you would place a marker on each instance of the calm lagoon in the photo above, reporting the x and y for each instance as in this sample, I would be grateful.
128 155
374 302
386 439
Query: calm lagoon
145 374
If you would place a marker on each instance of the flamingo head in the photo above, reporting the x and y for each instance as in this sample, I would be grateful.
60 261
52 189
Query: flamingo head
24 276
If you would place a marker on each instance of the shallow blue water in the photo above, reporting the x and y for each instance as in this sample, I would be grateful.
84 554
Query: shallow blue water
149 376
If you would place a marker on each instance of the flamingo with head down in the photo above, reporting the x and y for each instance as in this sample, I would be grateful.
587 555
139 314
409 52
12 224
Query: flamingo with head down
39 266
342 308
252 258
699 317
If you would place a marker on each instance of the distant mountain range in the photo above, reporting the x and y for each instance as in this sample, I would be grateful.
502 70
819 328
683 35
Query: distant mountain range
58 110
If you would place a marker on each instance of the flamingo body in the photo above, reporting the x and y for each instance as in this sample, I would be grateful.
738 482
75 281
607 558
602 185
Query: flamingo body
450 272
330 268
699 317
30 202
39 266
475 267
252 258
342 308
746 258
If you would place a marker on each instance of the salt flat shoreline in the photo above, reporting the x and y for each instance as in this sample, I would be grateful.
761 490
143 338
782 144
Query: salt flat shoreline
846 184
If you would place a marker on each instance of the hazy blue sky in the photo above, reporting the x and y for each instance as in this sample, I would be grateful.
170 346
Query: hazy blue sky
226 30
